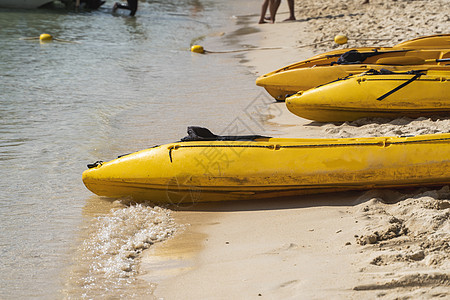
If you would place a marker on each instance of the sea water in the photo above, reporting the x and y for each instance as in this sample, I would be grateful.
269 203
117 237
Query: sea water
113 85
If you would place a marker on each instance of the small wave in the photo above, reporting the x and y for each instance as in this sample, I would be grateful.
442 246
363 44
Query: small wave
111 252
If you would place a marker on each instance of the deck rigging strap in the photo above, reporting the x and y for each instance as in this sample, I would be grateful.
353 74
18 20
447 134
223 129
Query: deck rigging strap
416 76
275 146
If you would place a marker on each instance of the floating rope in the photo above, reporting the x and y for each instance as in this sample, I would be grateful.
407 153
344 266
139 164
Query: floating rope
339 39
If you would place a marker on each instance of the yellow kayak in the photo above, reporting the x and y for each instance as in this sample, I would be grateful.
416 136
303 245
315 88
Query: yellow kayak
309 74
376 94
262 167
429 41
437 41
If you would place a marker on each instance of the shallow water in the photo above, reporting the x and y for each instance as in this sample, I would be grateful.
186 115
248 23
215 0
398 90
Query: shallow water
127 84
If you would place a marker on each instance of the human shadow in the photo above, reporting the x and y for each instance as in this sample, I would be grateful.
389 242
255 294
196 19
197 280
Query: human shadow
325 17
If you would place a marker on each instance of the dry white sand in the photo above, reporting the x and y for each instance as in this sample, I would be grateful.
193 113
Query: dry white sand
385 243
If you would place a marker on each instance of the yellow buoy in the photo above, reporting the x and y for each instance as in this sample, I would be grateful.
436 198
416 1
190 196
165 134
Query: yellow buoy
340 39
45 37
197 49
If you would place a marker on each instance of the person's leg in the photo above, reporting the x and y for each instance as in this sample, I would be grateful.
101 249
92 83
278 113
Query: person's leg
118 5
99 3
133 6
263 11
94 4
273 7
291 10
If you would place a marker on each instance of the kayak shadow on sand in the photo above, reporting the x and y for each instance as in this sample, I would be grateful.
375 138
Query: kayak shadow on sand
384 127
100 205
380 121
344 199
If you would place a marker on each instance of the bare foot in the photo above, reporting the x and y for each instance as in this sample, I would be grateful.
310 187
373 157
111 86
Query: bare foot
290 19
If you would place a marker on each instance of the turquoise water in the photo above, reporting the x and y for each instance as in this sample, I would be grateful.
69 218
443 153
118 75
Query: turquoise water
127 84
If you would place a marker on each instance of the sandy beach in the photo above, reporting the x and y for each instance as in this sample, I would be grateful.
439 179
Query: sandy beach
389 244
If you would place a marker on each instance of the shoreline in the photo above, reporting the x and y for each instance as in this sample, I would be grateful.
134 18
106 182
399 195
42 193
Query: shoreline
378 243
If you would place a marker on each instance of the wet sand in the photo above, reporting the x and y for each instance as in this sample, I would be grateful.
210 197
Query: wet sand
389 244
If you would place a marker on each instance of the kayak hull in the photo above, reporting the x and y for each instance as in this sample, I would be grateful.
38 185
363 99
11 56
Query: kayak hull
359 97
427 42
304 76
187 172
24 4
437 41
